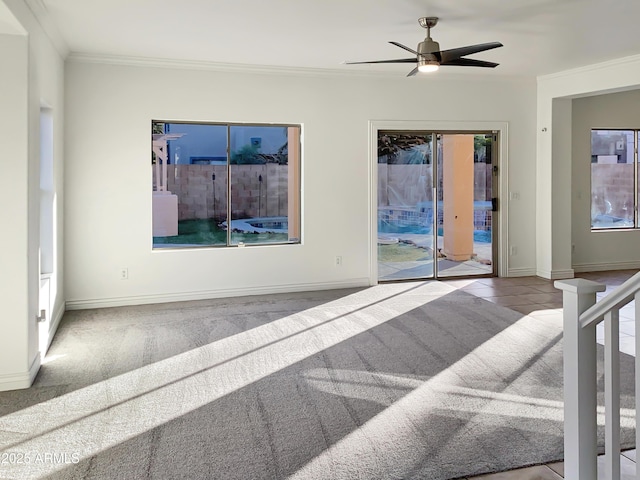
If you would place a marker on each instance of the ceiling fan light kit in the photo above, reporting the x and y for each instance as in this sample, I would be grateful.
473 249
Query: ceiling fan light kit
428 63
429 57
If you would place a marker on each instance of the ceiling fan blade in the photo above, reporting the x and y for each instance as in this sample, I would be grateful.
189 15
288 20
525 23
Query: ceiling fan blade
399 60
405 47
470 62
447 55
412 72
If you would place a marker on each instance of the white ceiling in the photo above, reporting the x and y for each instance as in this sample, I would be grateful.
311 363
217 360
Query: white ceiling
539 36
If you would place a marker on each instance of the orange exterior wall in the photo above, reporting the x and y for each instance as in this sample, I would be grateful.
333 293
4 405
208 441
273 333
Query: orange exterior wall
457 165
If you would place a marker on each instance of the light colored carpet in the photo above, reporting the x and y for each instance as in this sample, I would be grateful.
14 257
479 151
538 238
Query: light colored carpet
398 381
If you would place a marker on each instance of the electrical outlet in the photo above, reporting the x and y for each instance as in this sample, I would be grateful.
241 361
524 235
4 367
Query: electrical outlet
124 273
338 260
513 250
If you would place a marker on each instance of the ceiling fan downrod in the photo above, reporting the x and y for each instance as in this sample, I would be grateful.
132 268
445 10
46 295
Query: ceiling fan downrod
428 23
428 46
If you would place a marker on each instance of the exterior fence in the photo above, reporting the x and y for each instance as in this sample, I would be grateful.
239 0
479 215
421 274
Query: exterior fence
201 196
407 191
412 184
612 190
256 190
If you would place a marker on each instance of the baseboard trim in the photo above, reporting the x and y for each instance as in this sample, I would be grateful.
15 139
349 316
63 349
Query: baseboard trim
19 381
521 272
601 267
556 274
209 294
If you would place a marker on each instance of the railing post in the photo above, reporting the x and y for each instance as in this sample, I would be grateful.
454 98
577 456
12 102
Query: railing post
580 388
612 393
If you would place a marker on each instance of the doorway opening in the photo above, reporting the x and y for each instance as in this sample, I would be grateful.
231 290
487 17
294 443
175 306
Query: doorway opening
436 204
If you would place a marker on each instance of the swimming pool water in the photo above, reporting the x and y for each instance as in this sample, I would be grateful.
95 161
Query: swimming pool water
480 236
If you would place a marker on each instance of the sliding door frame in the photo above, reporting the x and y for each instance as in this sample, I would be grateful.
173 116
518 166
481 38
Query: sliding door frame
501 186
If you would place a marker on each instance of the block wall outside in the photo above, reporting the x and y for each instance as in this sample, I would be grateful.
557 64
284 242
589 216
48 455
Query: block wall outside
612 190
412 184
200 196
409 185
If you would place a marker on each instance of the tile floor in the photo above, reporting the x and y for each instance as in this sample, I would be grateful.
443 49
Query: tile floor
536 296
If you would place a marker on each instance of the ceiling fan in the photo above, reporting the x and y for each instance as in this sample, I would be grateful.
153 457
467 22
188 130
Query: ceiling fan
429 57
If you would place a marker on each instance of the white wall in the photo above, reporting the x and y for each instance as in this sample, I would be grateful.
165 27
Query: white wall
14 348
108 189
599 250
32 74
555 194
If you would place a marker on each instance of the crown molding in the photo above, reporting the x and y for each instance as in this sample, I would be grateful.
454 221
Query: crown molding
9 23
42 16
152 62
618 62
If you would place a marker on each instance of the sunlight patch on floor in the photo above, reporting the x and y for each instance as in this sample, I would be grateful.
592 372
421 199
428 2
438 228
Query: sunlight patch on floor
180 384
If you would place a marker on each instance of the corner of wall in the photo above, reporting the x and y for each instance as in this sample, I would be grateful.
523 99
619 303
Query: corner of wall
18 381
559 274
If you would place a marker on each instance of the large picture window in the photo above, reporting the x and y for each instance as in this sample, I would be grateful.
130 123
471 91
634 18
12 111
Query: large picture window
220 185
614 179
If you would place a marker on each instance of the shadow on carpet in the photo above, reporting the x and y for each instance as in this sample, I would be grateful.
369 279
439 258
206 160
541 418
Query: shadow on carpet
396 381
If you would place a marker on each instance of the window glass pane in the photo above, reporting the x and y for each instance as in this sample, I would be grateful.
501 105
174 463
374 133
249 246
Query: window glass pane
189 184
405 205
265 184
202 172
612 179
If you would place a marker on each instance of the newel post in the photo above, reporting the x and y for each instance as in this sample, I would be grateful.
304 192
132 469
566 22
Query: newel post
580 387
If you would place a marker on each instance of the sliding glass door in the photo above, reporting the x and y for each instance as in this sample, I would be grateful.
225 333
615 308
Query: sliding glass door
405 205
435 204
465 218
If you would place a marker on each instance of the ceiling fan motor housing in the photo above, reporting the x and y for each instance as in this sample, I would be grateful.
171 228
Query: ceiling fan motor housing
428 46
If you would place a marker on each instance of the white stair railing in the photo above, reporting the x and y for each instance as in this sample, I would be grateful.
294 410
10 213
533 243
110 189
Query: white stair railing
581 314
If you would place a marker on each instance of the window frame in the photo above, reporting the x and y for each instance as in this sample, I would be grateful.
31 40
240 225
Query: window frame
636 181
295 169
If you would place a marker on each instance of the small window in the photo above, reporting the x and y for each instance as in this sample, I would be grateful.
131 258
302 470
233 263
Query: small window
218 185
614 179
